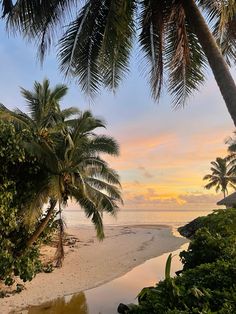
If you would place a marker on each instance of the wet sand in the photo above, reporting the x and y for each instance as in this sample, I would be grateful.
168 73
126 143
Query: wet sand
89 263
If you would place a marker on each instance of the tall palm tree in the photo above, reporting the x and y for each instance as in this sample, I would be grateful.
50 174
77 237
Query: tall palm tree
69 152
222 175
176 37
76 171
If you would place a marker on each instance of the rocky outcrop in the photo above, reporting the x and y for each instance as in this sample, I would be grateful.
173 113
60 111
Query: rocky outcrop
189 229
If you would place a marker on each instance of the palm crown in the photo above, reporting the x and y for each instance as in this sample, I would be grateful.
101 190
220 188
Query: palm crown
99 36
222 175
69 150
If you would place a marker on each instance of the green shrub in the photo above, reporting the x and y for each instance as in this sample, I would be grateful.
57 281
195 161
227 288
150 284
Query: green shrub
214 239
207 283
19 177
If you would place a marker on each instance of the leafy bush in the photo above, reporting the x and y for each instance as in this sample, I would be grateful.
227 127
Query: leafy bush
215 239
221 221
18 180
207 283
12 235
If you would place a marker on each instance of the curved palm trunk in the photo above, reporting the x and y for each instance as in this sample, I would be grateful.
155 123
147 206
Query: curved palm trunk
60 254
217 63
42 225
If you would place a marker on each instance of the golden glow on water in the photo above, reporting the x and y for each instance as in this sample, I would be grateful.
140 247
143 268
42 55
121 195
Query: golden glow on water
106 298
165 217
75 304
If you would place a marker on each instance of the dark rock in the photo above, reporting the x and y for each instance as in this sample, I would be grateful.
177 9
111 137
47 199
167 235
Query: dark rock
122 308
190 229
71 241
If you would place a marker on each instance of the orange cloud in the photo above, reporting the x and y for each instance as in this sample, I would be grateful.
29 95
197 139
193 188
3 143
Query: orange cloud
138 195
163 170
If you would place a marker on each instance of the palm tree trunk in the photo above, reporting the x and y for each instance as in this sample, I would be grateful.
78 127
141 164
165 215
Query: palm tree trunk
42 225
216 61
60 254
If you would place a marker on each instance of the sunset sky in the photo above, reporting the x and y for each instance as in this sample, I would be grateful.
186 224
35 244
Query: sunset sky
164 153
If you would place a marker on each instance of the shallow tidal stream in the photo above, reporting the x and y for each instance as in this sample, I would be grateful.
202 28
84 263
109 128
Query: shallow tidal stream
105 299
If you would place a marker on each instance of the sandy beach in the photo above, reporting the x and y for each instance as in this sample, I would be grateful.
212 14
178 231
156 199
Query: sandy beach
89 263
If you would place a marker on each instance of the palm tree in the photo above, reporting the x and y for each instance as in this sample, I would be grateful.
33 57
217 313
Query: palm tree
45 116
69 152
76 171
222 175
176 37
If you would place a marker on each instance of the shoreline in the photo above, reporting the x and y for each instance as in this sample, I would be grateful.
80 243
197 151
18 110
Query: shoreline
90 263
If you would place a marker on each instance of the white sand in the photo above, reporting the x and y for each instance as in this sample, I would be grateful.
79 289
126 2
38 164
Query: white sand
90 263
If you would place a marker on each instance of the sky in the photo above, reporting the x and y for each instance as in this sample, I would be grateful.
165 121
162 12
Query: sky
164 153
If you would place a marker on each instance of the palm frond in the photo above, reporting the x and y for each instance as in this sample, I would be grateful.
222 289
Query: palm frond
111 190
222 14
58 92
104 144
233 185
44 153
184 55
80 46
33 210
81 131
69 112
36 100
104 172
153 20
43 103
17 117
91 211
97 221
7 6
81 198
222 174
207 177
116 44
86 123
39 19
211 185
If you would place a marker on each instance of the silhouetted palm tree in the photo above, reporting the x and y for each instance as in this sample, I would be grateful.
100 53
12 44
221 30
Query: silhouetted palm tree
222 175
176 37
69 152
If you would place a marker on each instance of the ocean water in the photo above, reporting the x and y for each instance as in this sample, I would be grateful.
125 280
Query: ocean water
172 218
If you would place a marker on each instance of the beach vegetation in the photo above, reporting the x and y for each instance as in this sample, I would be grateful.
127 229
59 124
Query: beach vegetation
49 158
18 183
178 40
207 282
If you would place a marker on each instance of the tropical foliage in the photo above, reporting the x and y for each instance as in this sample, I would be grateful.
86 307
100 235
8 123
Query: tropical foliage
63 156
207 282
15 192
223 174
174 37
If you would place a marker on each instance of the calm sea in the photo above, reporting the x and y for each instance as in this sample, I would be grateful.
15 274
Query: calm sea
173 218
